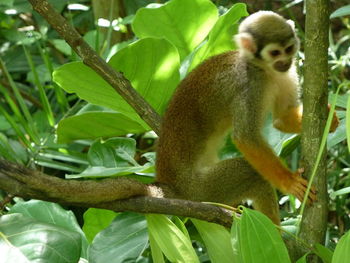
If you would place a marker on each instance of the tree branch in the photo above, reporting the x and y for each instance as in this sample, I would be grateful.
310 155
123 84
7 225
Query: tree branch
95 62
23 182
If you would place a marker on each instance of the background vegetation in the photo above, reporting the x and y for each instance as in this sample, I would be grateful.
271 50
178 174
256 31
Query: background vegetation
60 117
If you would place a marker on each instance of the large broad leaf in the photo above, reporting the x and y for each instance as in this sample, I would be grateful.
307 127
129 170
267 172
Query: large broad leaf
114 152
95 220
259 240
24 239
51 213
78 78
113 157
184 23
217 241
124 239
220 37
175 245
342 251
150 64
324 253
83 126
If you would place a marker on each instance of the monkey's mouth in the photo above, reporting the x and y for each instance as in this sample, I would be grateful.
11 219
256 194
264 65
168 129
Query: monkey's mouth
282 66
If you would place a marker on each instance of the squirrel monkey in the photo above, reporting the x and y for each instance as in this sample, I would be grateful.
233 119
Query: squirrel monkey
234 91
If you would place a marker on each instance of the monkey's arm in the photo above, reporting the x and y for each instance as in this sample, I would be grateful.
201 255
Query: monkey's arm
289 120
248 120
264 160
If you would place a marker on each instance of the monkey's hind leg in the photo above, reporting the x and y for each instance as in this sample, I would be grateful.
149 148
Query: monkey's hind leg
233 181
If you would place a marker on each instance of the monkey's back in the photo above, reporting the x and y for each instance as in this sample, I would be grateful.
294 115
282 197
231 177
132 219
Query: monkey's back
197 120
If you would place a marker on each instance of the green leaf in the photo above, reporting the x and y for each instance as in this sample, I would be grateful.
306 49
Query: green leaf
341 100
80 79
24 239
324 253
114 152
171 240
177 22
258 236
113 157
277 139
157 254
217 241
220 37
62 46
110 124
339 135
236 240
342 191
150 64
124 239
95 220
102 172
6 150
343 11
303 259
342 250
51 213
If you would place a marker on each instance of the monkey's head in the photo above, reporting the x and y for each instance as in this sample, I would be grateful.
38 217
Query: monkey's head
268 39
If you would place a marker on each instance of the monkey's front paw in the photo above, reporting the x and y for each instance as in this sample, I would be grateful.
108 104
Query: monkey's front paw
299 185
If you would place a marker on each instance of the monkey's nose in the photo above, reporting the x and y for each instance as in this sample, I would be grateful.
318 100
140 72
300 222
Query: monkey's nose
282 66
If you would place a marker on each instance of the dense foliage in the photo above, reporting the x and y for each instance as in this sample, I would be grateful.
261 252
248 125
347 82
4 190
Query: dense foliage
59 116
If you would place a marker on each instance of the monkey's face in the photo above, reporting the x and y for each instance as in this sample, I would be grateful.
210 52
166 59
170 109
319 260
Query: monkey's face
268 40
279 57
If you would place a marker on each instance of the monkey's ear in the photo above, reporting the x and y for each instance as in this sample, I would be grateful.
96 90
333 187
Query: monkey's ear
291 23
246 43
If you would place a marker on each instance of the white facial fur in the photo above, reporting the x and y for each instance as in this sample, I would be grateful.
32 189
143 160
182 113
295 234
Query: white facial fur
277 57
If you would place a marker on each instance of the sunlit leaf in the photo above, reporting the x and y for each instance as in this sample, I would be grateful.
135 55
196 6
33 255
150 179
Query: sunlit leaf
174 244
220 37
217 241
151 65
177 23
259 240
95 220
324 253
342 250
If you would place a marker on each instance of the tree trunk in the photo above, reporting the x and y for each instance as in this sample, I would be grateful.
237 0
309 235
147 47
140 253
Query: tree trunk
315 95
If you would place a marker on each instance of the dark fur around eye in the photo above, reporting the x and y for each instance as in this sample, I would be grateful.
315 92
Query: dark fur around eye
275 53
289 49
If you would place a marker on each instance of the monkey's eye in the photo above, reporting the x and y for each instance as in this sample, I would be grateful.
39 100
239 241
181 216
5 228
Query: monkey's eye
275 53
289 49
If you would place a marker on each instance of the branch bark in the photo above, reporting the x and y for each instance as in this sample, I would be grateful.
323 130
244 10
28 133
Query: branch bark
23 182
315 96
95 62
